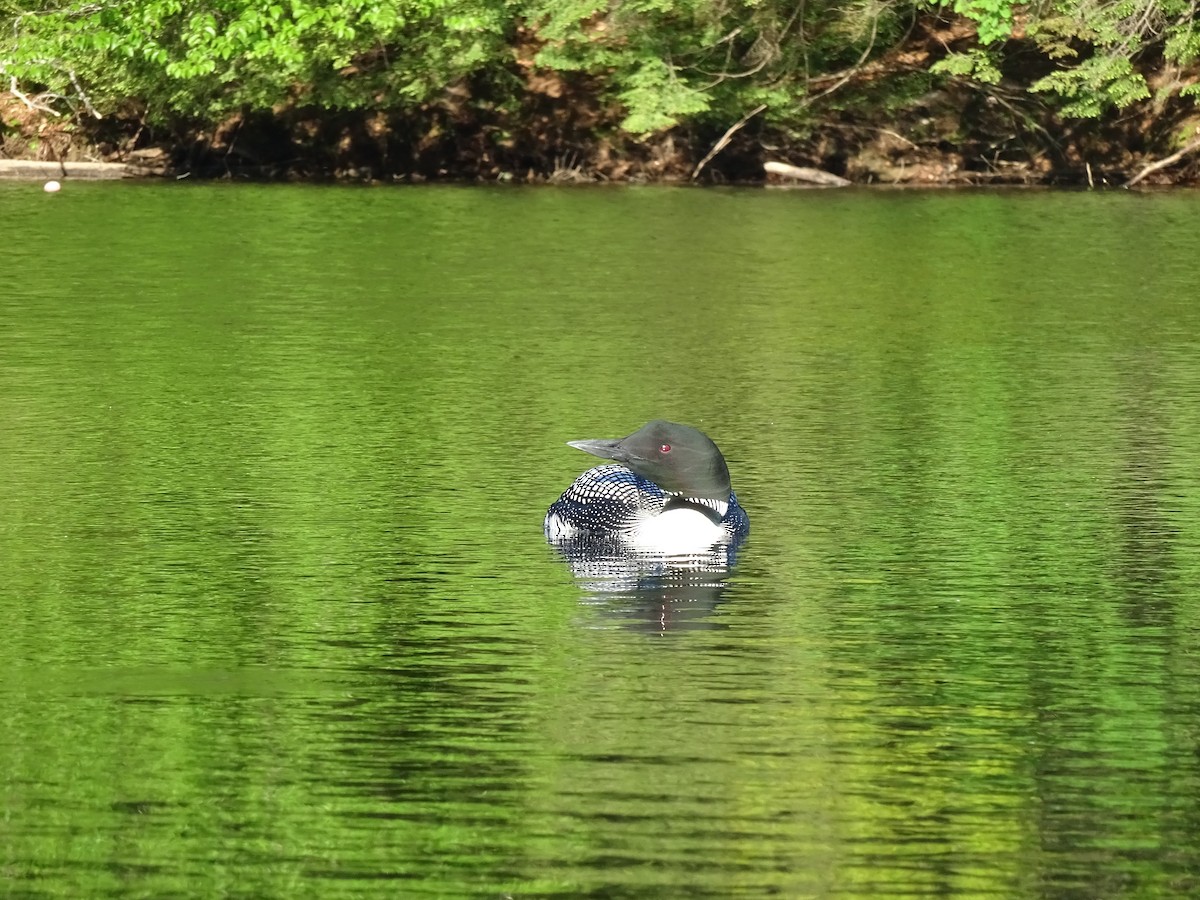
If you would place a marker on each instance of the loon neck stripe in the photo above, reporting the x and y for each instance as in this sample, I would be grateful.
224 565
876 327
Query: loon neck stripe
714 509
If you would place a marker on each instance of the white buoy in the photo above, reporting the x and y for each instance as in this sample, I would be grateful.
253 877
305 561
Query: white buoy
51 187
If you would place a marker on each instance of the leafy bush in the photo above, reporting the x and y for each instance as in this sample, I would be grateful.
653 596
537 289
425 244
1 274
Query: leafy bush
1095 44
182 57
662 62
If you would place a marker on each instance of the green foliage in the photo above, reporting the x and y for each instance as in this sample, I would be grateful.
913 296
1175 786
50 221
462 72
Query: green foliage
699 60
1183 45
662 63
657 99
1096 44
1093 84
184 57
993 18
976 63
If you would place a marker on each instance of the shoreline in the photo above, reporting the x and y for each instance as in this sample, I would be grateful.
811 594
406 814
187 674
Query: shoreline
305 146
40 170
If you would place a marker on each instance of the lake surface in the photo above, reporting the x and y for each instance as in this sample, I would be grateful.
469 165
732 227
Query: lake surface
279 618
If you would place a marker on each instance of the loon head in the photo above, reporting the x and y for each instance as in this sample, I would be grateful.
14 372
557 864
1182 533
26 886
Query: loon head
679 459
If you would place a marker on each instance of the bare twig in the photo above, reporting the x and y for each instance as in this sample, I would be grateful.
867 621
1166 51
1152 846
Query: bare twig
850 73
897 136
728 38
764 59
721 76
787 26
725 139
1163 163
32 104
87 104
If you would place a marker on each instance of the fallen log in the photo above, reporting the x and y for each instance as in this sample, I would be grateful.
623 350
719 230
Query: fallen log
802 173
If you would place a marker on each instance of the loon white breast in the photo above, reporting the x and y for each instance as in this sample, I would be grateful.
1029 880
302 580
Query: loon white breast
668 492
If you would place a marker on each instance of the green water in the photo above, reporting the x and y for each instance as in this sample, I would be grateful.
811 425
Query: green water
279 620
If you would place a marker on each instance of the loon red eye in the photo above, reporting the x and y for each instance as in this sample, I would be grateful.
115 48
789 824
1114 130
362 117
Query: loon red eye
665 448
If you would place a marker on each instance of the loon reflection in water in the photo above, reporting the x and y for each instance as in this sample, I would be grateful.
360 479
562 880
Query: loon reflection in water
667 493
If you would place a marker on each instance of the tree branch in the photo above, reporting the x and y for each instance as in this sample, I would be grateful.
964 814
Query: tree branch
850 73
1163 163
32 104
725 139
87 104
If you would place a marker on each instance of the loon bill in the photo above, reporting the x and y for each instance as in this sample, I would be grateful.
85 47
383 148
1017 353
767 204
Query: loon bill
667 491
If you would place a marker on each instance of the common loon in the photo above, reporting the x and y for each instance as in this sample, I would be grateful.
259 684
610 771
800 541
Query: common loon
668 492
